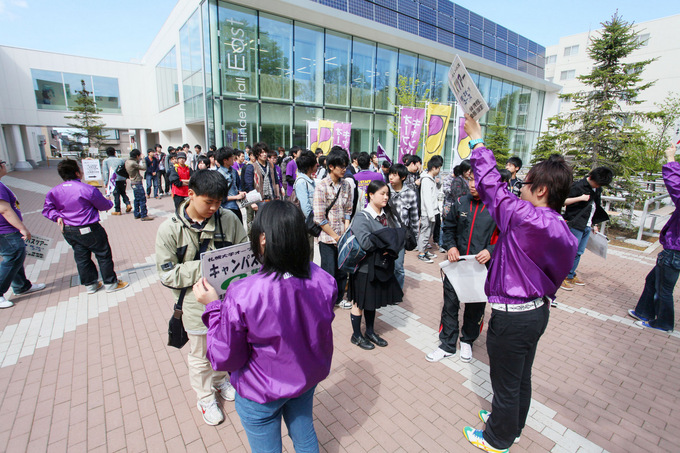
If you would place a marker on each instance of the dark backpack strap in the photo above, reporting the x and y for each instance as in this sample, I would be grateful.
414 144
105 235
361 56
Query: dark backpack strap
202 248
328 209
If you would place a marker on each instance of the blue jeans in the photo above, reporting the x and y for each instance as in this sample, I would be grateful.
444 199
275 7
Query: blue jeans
151 179
140 200
13 252
582 238
656 301
262 423
399 268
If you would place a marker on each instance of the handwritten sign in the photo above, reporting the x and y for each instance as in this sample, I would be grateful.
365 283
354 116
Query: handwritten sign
467 277
464 89
91 170
223 266
38 246
598 244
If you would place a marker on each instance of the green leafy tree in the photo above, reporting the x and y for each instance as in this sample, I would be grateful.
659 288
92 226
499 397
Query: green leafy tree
496 139
89 125
598 131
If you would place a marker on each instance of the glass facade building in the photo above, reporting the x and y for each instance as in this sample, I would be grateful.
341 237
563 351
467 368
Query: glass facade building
263 76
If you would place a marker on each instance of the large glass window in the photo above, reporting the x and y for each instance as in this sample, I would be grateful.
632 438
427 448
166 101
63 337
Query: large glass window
276 57
385 78
425 76
166 81
74 83
238 50
440 87
309 65
337 63
239 127
192 74
363 73
408 63
302 115
382 132
48 87
106 94
276 121
362 129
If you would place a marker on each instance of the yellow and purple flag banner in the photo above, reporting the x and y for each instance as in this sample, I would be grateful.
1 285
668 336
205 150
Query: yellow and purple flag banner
437 124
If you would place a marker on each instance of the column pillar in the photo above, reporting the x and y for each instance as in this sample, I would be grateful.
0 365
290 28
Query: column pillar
143 141
21 164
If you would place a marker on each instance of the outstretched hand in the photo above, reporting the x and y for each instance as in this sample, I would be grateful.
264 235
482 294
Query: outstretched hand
670 153
204 292
472 128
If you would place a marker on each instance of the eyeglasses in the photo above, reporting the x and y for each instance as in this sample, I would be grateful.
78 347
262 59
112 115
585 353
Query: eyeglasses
519 184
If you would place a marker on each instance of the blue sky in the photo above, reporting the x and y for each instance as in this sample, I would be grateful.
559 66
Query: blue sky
123 30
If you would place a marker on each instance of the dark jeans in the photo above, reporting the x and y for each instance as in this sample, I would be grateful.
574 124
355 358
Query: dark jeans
436 229
151 179
582 237
164 187
140 200
656 301
473 317
13 252
511 342
329 263
118 193
84 245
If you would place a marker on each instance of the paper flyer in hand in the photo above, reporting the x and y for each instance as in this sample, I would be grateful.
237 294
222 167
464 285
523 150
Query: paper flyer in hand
467 277
223 266
464 89
598 243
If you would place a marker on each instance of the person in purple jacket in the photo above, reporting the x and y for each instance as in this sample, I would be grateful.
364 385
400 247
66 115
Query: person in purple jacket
522 279
655 306
277 341
75 207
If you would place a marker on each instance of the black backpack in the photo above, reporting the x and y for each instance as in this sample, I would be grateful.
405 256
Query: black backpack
121 171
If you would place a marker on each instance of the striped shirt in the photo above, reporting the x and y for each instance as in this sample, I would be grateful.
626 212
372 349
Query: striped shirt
324 194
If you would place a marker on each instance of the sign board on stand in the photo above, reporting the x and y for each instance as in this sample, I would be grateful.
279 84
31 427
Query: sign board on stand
223 266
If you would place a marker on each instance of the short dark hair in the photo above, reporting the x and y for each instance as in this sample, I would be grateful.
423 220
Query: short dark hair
203 159
67 169
210 154
293 150
602 176
385 164
213 148
258 148
322 161
186 145
306 161
556 176
435 162
337 158
110 151
237 152
354 156
271 153
335 148
210 183
171 149
172 155
405 158
412 159
318 151
363 159
287 248
149 151
516 161
158 145
456 171
505 175
399 169
464 167
198 146
223 154
135 153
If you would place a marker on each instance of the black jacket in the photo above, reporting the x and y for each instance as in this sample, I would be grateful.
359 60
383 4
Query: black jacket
577 214
467 216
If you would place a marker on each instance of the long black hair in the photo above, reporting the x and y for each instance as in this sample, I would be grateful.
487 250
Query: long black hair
375 186
286 244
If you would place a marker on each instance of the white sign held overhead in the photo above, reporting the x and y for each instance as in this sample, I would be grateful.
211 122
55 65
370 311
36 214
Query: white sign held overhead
464 89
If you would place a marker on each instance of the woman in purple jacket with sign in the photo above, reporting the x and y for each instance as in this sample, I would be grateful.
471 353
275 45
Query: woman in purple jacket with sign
273 331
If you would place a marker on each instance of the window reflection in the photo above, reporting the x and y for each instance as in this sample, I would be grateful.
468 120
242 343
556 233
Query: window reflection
363 73
276 56
385 77
309 64
336 74
166 81
48 87
106 94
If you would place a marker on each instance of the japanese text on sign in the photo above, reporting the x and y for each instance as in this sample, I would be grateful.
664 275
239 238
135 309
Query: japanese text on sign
38 246
223 266
464 89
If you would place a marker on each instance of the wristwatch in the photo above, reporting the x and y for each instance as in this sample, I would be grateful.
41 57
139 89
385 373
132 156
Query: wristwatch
474 142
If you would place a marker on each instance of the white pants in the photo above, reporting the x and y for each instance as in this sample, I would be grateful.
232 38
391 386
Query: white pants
201 374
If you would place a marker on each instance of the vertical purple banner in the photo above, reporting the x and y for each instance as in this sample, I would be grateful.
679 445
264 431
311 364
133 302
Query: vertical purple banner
410 126
341 134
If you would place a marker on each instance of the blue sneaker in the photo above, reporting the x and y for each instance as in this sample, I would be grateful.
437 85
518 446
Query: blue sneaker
476 438
646 324
634 315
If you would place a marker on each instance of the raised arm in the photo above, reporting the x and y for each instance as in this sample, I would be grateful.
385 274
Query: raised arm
671 175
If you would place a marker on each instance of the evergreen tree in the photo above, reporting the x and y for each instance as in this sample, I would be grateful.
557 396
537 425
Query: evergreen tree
90 124
496 139
598 131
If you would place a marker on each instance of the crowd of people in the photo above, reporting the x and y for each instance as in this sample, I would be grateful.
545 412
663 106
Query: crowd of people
268 349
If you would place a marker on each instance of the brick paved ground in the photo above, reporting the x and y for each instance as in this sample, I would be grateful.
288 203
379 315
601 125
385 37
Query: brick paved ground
93 373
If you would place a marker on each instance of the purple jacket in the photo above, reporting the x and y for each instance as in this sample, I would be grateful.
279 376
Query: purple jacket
7 195
274 336
535 249
670 233
75 202
291 170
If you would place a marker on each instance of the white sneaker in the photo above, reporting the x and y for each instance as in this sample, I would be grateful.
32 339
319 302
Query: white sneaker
91 289
226 390
344 304
212 414
4 303
437 355
34 287
465 352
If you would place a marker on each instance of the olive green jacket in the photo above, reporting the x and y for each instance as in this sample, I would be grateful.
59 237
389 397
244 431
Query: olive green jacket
176 245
